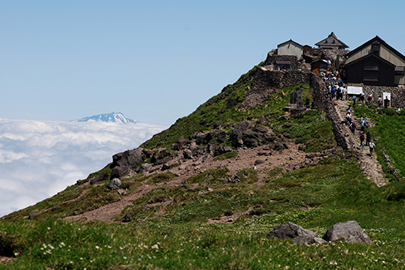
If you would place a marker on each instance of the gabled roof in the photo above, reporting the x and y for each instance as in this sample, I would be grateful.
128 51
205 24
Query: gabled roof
290 41
331 40
371 41
368 56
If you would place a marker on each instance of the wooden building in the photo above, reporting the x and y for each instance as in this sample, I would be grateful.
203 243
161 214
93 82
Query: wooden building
319 65
375 63
331 42
290 47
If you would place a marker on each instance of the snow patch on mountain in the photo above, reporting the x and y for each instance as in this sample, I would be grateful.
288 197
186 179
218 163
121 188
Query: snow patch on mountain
114 117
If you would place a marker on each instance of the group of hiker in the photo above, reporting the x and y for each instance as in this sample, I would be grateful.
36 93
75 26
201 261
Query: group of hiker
363 129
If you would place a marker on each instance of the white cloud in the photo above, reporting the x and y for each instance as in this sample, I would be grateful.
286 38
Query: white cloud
40 158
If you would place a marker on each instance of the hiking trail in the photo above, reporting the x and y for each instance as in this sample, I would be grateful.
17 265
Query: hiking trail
368 162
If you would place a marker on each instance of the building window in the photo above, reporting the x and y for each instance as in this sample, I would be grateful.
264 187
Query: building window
370 78
371 68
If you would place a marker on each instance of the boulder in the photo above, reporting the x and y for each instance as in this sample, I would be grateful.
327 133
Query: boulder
222 150
242 126
221 137
308 240
252 134
119 172
236 138
146 167
31 216
187 154
350 231
114 184
127 218
261 129
98 178
130 158
289 230
218 124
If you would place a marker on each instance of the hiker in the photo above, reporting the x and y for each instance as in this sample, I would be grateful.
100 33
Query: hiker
353 127
361 99
333 92
368 138
354 100
364 124
371 145
380 102
369 98
361 138
386 102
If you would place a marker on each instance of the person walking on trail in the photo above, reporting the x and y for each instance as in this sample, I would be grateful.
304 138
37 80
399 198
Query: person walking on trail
354 100
368 138
371 145
364 124
353 127
362 138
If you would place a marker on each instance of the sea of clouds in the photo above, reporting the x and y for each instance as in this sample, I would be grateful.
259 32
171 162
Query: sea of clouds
40 158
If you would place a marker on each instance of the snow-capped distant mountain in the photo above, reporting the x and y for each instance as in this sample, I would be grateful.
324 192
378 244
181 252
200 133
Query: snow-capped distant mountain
114 117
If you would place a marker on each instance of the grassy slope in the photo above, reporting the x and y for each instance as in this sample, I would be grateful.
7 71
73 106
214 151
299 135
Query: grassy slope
314 197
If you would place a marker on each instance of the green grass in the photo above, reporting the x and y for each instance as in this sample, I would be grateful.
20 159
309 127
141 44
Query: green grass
315 197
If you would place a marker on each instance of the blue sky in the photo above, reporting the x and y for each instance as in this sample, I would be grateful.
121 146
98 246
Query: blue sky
156 61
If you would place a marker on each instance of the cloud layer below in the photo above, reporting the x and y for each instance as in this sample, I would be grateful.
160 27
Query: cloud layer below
40 158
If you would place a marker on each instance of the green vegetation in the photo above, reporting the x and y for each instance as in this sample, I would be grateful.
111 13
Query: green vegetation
314 197
226 155
183 227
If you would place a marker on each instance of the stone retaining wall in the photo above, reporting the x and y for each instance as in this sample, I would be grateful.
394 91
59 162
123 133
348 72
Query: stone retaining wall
397 94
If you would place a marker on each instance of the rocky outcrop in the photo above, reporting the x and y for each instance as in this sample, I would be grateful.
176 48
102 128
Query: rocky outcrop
99 178
129 158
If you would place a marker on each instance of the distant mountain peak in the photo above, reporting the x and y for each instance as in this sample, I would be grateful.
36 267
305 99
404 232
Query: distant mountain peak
114 117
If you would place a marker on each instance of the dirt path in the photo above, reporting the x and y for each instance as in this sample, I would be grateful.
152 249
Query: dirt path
368 163
259 158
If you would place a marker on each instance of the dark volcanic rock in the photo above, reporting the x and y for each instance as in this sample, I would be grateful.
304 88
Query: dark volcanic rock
242 126
222 150
131 158
218 124
236 138
31 216
98 178
289 230
221 137
350 231
127 218
119 172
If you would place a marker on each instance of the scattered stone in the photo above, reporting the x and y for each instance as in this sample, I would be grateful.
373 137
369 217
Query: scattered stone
121 192
222 150
182 167
218 124
257 162
221 137
184 182
54 209
187 154
350 231
31 216
210 189
127 218
165 167
114 184
289 230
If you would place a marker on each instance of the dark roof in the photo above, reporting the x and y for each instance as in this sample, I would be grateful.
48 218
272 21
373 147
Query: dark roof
368 56
289 41
376 39
330 39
